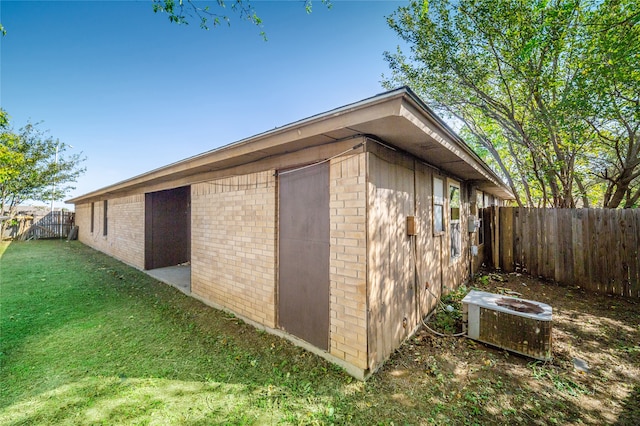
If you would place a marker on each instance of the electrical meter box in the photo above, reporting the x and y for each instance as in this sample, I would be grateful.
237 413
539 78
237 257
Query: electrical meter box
472 223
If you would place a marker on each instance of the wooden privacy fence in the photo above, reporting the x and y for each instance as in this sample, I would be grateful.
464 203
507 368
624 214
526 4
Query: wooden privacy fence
56 224
596 249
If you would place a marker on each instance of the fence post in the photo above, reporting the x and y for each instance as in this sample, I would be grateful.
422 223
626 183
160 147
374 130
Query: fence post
506 238
495 236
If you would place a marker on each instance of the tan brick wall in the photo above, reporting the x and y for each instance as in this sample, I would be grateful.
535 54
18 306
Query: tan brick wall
125 228
233 244
83 222
348 259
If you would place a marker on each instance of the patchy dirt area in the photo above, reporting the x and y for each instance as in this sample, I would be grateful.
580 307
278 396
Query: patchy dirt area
593 378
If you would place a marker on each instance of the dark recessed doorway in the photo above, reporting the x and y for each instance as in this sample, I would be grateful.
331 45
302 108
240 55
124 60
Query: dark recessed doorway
168 228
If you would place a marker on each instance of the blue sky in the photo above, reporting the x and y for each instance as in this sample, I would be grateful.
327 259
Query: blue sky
133 92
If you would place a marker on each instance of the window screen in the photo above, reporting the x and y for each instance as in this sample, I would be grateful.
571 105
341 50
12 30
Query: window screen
480 206
454 220
438 205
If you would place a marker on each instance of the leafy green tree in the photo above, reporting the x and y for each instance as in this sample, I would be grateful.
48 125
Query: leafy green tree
32 163
9 160
516 75
183 11
207 16
610 84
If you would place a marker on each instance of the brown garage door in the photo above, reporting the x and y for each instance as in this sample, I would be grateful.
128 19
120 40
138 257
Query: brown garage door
303 297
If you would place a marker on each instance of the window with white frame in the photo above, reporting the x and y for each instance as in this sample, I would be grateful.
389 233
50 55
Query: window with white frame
479 207
487 200
438 205
454 220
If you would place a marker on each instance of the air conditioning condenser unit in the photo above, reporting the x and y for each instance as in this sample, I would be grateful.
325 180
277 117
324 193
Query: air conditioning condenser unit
518 325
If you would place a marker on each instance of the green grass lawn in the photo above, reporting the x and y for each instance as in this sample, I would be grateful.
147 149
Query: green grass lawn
85 339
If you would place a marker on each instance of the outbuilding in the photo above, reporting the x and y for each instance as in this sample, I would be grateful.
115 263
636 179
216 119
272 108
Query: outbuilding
338 232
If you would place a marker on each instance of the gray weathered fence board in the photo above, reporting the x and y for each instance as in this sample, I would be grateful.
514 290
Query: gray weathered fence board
597 249
55 224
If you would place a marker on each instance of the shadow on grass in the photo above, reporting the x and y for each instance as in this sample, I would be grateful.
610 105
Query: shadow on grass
631 409
94 400
462 382
105 343
88 339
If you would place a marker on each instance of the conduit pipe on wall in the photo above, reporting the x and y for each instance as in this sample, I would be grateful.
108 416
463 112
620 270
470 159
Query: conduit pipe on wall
439 302
321 161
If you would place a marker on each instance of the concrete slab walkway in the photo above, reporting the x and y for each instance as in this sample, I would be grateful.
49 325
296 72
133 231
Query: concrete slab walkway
178 276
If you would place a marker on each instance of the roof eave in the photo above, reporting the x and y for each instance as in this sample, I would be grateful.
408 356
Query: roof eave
339 120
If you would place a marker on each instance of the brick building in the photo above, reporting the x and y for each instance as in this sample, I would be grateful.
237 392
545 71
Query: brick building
337 232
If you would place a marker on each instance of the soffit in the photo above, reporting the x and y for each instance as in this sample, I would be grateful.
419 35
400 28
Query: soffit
394 117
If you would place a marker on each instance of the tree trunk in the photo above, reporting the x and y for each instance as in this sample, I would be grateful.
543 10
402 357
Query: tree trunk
613 198
632 199
583 192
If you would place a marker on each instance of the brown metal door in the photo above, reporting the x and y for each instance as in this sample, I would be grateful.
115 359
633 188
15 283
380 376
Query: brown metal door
167 227
303 297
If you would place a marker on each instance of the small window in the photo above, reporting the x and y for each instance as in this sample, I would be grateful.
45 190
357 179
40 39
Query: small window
93 212
438 205
105 207
479 207
454 220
